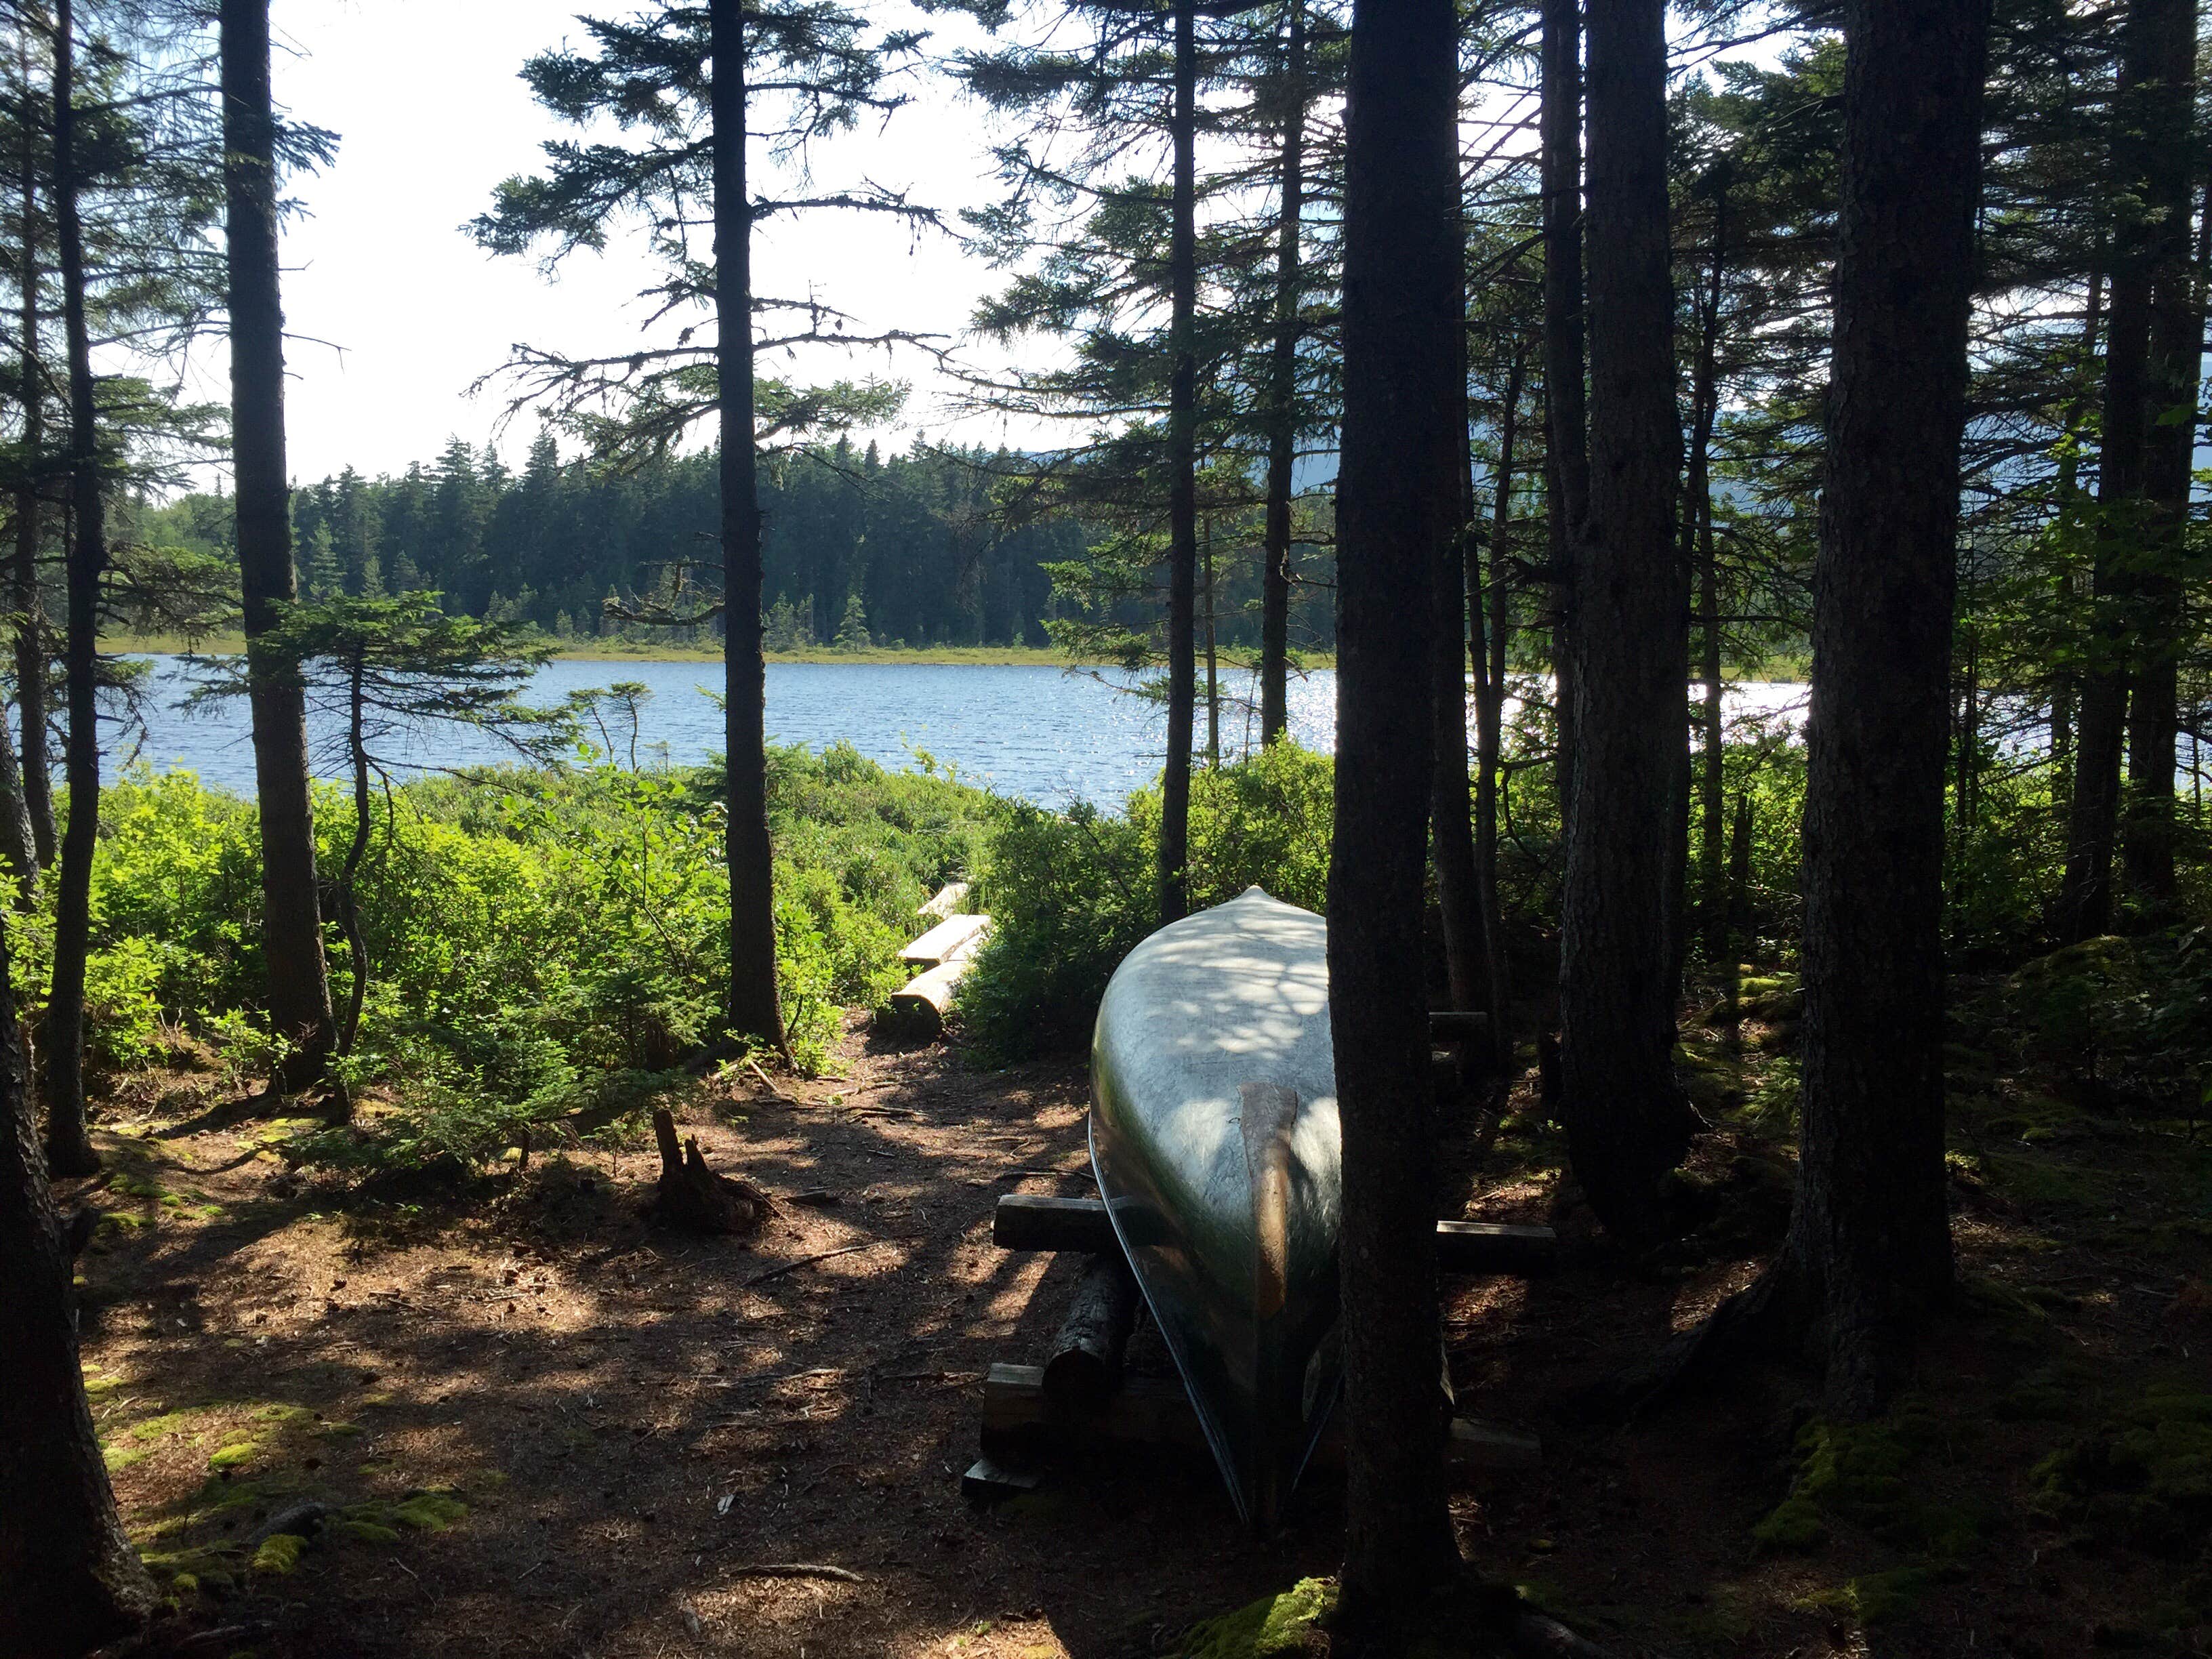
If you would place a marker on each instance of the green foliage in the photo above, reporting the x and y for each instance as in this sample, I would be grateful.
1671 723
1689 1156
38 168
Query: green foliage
2142 1477
1873 1475
1272 1626
1071 894
545 944
2132 1013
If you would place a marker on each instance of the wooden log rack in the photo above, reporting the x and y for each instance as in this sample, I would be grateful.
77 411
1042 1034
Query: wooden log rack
1032 1221
1081 1397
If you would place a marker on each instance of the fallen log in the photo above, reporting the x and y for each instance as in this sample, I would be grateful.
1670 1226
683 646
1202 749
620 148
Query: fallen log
1021 1420
1085 1367
1038 1221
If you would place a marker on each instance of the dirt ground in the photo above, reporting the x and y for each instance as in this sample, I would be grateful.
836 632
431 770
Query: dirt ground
539 1425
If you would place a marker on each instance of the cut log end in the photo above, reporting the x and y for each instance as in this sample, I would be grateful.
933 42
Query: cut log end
1085 1367
693 1198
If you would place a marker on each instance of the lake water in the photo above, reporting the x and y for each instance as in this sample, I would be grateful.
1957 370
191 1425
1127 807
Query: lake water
1040 733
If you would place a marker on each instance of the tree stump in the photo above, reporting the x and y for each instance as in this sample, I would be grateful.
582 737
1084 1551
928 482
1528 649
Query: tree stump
693 1198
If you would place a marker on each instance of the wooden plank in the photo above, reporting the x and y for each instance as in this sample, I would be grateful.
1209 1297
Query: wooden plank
1035 1221
1031 1221
988 1481
1491 1247
952 938
1020 1418
949 900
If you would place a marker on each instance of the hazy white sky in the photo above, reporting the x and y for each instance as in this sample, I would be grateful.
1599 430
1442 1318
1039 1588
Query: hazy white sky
394 312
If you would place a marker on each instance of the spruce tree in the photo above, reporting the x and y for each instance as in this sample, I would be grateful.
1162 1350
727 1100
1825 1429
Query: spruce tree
674 79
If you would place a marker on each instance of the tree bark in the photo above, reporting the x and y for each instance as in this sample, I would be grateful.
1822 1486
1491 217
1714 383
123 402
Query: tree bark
1451 806
1698 543
755 1003
30 643
69 1145
1566 465
1283 394
1398 494
2142 114
1183 476
1871 1228
17 846
2176 353
73 1580
1491 604
1627 1121
291 912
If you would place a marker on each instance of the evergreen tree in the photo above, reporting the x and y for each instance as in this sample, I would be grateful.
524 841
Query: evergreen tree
675 79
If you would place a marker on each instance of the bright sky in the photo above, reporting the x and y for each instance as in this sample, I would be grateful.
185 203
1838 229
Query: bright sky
394 312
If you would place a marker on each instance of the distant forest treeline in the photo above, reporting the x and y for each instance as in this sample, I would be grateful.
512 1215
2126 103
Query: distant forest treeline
913 538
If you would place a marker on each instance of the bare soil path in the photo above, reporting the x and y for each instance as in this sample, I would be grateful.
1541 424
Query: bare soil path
533 1424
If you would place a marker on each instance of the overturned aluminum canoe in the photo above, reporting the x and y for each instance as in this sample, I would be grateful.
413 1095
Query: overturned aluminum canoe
1214 1138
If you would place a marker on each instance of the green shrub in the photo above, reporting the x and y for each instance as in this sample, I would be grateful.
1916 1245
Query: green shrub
538 943
1071 894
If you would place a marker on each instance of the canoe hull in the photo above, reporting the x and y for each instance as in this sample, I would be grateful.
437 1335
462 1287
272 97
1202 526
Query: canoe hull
1215 1141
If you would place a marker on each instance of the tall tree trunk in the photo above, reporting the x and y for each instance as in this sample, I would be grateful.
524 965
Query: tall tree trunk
1698 545
2085 905
291 911
1871 1229
1627 1118
2176 352
1398 494
1212 663
30 619
755 1006
1491 604
1566 465
17 848
73 1580
1182 473
1451 806
1283 392
2064 683
69 1145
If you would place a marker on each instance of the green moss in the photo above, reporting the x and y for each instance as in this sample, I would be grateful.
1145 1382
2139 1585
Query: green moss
2142 1477
162 1427
1273 1624
236 1455
1870 1474
279 1553
118 1458
283 1415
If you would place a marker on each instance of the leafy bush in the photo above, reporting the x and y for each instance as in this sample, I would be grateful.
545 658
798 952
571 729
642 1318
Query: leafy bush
1071 894
534 938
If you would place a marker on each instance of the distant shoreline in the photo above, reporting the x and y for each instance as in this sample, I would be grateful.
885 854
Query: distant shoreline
1782 668
969 656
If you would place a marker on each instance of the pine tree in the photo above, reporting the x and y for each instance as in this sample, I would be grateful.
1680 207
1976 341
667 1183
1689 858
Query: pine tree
675 82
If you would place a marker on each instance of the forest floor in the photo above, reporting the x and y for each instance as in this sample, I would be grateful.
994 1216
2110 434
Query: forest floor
542 1426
